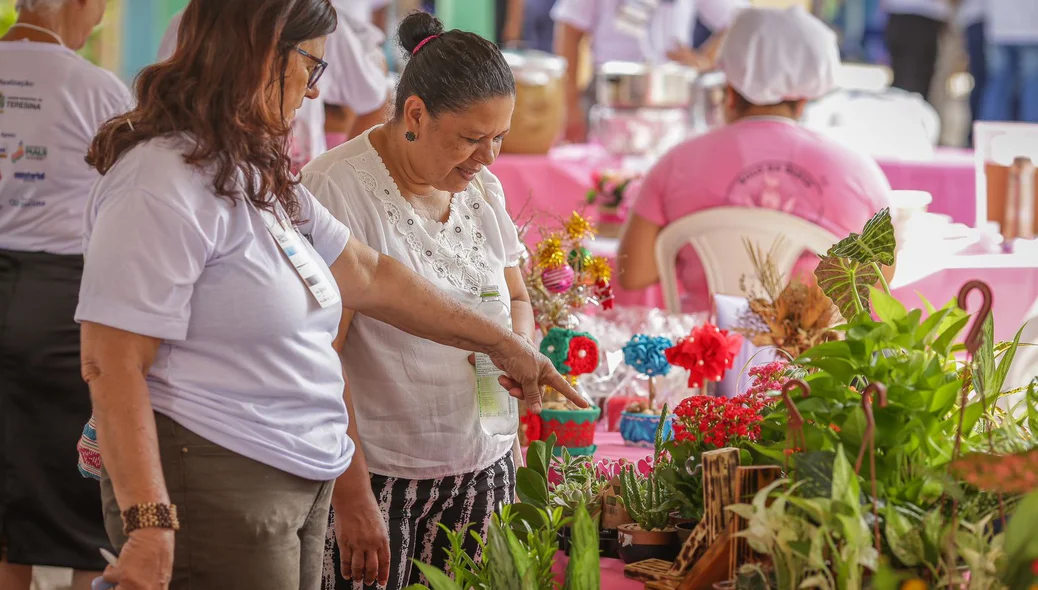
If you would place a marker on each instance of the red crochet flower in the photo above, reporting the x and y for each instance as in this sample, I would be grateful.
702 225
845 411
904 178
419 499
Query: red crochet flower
707 353
583 355
532 422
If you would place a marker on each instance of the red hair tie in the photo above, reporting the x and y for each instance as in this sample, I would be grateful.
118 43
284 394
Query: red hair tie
422 43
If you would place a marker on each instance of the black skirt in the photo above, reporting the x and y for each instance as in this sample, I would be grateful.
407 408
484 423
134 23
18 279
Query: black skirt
49 514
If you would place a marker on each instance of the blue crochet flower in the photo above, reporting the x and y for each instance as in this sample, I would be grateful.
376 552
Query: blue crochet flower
646 354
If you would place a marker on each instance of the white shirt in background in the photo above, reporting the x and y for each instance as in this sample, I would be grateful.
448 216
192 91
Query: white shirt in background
1011 22
415 400
359 9
52 102
934 9
671 26
356 75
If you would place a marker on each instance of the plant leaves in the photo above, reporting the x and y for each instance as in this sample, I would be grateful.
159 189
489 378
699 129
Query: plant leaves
943 400
906 543
531 488
583 571
1005 363
437 579
876 243
841 278
886 307
814 471
845 482
1032 405
944 341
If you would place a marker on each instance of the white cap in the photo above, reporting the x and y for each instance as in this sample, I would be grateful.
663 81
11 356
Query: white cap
772 55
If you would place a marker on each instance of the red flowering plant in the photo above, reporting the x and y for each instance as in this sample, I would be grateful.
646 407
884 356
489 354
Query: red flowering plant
707 353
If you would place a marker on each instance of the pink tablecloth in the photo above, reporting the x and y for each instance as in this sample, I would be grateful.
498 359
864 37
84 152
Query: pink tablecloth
557 183
612 574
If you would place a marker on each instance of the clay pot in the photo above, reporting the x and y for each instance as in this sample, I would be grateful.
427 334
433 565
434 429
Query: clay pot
638 545
685 530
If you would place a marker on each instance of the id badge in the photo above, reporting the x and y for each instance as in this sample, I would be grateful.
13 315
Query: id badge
291 243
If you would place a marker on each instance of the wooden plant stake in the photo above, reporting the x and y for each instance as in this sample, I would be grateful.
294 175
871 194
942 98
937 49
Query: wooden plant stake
718 492
875 390
652 393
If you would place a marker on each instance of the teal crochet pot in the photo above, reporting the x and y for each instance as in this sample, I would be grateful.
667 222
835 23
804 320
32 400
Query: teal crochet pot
639 430
575 429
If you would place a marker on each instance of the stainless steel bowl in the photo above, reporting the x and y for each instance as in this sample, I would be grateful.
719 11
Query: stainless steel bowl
629 85
535 68
637 132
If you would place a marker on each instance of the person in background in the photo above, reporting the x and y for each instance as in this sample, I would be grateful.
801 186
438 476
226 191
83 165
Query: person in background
666 37
538 27
354 89
53 103
775 61
1011 33
211 295
913 32
970 18
418 189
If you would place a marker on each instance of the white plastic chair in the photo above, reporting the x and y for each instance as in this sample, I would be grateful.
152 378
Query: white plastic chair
1025 363
717 235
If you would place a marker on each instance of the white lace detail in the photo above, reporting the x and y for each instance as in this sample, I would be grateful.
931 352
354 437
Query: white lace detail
456 252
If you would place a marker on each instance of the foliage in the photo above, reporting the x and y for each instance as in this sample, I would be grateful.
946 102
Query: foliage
644 496
852 266
580 482
519 557
531 483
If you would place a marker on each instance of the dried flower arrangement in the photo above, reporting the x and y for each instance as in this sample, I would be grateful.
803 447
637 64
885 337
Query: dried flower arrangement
793 316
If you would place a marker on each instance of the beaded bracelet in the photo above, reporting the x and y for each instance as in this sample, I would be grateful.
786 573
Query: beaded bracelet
150 516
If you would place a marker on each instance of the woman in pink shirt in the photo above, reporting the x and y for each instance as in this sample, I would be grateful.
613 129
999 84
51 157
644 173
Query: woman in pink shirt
775 61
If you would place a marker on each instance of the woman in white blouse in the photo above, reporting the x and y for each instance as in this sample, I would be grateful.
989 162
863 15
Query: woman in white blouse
417 189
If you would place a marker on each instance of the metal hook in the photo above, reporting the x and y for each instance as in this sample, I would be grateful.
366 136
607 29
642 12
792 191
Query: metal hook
795 423
872 392
975 337
875 391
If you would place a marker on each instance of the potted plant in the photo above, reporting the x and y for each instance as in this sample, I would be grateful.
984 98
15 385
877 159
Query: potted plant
645 498
646 355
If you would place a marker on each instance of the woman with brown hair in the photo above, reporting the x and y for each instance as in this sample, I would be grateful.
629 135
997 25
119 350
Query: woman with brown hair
211 295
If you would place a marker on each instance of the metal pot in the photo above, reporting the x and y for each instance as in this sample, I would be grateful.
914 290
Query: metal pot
534 68
539 103
629 85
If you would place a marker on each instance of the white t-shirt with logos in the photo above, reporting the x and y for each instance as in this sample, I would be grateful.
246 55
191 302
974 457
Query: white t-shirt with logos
414 399
52 102
670 26
247 359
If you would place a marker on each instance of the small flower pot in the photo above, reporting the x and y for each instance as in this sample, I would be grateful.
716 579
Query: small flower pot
639 430
685 530
575 429
608 544
638 545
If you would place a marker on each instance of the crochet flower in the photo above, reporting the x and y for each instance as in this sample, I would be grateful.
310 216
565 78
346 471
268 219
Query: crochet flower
571 352
647 354
707 353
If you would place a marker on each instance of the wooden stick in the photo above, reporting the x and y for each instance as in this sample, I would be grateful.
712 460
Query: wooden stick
652 393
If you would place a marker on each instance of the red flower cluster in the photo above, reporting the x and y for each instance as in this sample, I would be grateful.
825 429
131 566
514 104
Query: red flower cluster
707 353
716 421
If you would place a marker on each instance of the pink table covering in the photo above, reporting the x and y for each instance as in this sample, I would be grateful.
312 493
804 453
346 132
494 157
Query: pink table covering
612 574
557 183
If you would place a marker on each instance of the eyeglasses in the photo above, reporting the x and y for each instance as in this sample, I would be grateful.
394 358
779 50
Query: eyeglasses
318 70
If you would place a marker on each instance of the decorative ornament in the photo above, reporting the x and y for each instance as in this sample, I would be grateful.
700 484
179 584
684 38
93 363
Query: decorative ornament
558 279
578 228
579 258
572 353
599 269
549 253
604 294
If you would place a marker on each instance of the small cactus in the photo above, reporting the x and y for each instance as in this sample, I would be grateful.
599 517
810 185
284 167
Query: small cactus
646 498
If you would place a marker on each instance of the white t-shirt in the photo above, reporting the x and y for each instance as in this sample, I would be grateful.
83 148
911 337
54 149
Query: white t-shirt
1011 22
934 9
308 140
52 103
355 76
359 9
415 400
247 359
671 26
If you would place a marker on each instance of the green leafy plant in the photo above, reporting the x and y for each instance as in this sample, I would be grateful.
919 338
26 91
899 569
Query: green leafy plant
852 266
531 483
645 496
580 483
521 557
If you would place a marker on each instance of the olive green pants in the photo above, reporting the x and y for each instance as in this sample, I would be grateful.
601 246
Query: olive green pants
243 525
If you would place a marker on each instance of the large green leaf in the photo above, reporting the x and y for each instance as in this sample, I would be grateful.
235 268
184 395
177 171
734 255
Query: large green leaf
845 482
814 471
1005 363
531 488
904 539
841 278
876 242
886 307
1032 405
499 560
583 571
984 358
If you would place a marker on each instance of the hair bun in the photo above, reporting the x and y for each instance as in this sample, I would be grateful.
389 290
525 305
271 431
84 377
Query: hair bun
415 28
